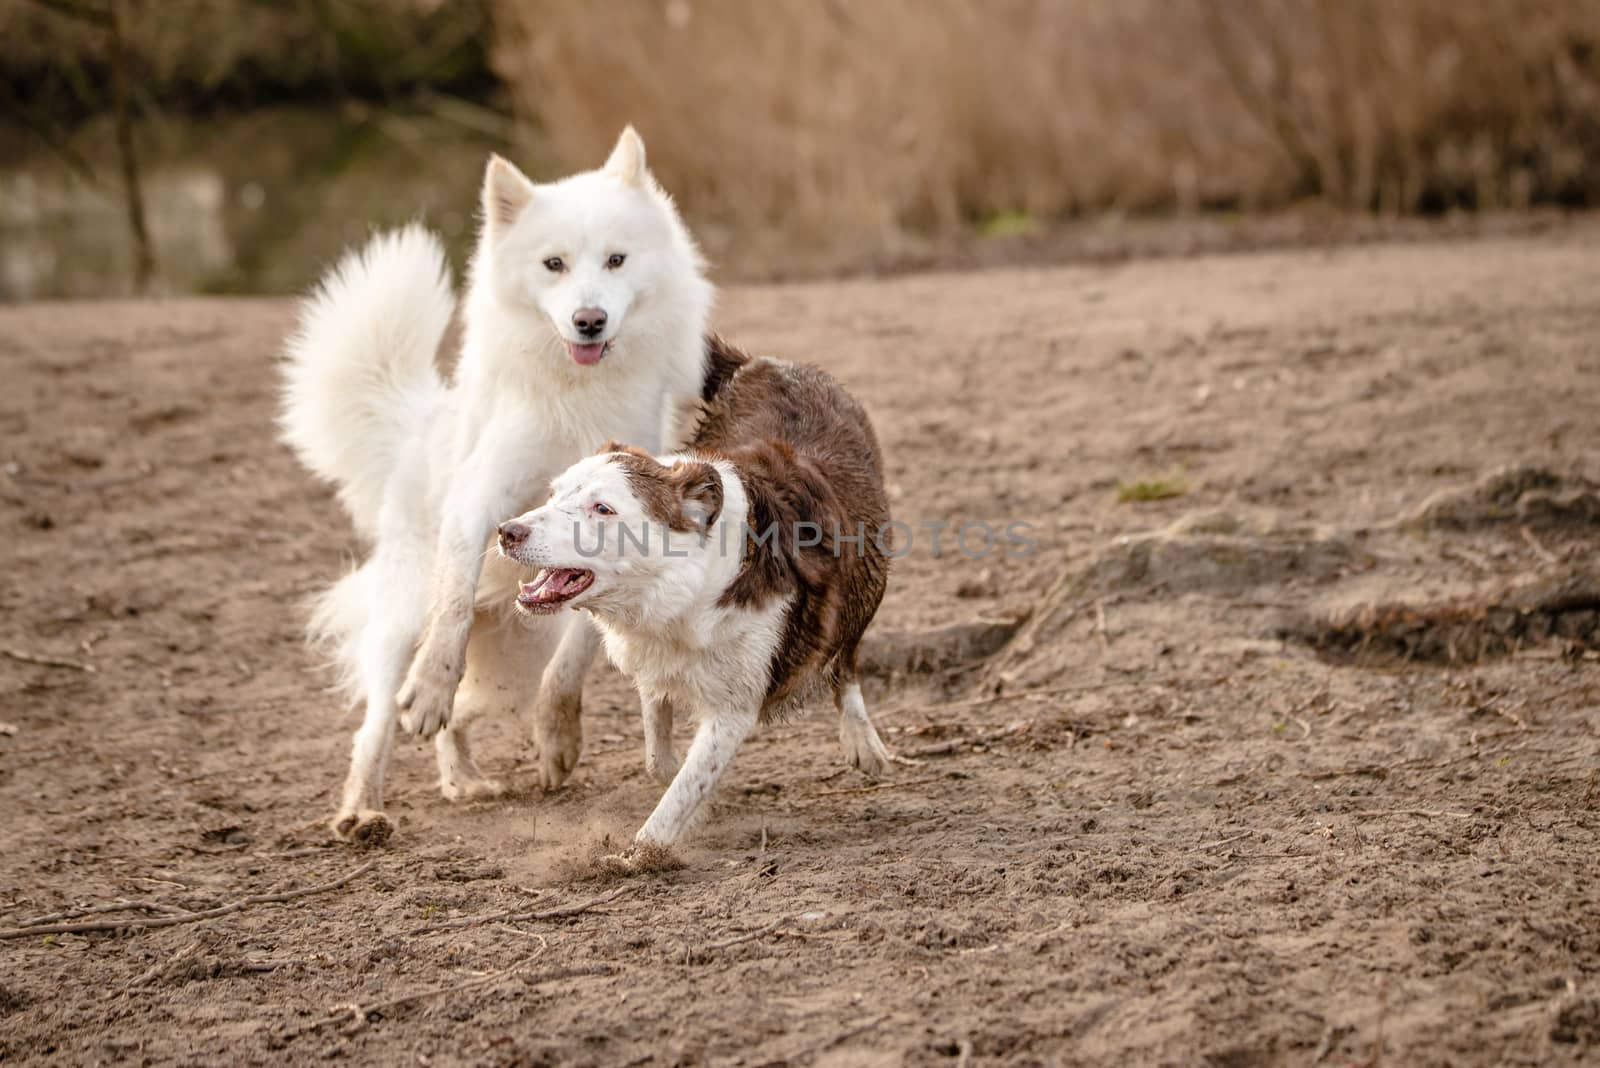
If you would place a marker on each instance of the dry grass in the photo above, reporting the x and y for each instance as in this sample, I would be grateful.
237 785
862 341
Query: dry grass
863 122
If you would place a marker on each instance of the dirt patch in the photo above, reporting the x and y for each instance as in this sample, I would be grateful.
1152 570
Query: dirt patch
1145 828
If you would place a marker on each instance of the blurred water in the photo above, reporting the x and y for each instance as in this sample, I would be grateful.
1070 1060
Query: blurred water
259 203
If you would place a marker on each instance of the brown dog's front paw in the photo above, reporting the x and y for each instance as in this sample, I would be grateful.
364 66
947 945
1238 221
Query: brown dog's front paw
863 748
644 857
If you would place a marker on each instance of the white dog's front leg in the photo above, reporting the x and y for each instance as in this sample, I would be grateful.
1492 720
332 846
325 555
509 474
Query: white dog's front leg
659 758
492 480
715 743
430 687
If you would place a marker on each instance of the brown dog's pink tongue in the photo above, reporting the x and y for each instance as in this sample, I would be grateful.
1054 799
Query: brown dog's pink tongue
540 581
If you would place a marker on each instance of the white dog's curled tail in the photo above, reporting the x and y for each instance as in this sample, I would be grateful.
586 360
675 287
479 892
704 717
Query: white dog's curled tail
359 376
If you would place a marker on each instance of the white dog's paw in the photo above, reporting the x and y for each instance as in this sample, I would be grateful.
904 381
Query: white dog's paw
662 765
557 759
363 827
471 788
863 748
425 700
558 732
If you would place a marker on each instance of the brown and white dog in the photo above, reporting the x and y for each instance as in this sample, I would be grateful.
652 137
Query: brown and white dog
724 577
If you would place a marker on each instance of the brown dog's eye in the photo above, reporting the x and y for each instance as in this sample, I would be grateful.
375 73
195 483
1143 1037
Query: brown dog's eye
603 509
554 264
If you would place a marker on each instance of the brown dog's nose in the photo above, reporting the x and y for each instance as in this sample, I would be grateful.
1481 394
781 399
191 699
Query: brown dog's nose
513 534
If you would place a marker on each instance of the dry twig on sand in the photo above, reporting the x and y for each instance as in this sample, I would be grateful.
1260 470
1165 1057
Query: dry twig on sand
100 910
1220 842
1538 547
952 745
1377 1028
1043 691
1050 610
776 928
353 1016
875 787
1424 813
826 1044
1377 771
184 917
751 936
161 968
522 917
49 661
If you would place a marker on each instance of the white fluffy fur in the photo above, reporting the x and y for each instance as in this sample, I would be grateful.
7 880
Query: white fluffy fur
426 469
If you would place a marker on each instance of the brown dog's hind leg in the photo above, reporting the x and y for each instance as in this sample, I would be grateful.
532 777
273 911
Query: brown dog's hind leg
862 747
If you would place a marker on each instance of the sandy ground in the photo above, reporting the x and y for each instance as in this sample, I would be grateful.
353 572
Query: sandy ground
1299 765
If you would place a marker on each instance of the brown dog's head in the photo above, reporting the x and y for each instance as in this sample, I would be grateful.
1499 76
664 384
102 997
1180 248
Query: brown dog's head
618 529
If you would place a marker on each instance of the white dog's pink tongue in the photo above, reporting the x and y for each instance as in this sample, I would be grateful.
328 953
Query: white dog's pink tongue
587 355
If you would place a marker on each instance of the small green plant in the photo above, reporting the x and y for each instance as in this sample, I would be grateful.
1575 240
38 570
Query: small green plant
428 911
1158 488
1010 224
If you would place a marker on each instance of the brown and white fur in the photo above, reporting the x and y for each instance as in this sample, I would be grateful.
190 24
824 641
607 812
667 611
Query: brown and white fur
708 619
585 320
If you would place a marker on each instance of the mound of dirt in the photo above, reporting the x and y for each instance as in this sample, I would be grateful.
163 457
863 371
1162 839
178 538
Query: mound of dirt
890 653
1512 494
1186 558
1209 551
1464 630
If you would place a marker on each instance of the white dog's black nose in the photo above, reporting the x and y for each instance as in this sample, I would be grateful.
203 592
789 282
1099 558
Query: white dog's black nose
589 321
513 534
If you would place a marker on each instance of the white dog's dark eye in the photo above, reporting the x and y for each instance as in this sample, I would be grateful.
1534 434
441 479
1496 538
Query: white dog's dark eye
603 509
615 260
554 263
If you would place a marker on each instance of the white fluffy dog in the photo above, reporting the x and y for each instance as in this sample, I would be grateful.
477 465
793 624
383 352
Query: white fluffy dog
585 320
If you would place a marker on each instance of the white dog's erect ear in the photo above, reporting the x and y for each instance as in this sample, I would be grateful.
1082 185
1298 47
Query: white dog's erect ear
627 159
506 191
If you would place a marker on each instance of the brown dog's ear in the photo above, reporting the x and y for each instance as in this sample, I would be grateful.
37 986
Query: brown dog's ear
621 446
699 489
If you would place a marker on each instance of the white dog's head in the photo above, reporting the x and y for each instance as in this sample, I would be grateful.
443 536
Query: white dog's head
594 259
625 536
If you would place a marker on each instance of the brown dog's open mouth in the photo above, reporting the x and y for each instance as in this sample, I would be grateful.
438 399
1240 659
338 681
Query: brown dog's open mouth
553 587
